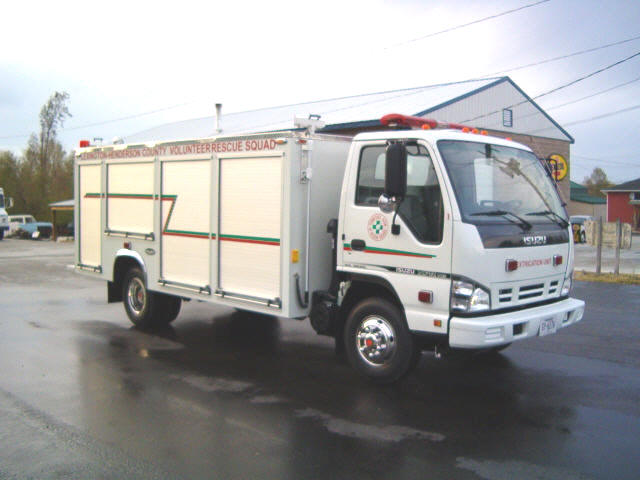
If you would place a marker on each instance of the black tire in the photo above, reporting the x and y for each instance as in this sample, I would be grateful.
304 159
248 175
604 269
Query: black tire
147 309
1 234
378 342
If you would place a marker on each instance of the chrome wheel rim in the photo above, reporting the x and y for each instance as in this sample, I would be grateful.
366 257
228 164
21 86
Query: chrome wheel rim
376 340
136 295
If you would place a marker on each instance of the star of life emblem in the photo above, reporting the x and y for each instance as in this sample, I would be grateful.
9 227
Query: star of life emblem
378 226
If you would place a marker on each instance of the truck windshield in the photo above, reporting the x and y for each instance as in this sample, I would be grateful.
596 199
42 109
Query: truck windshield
493 184
1 200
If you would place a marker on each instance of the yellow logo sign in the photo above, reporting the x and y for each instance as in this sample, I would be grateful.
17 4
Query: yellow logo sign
559 166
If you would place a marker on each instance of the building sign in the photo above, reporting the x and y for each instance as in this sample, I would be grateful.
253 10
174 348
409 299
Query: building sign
559 166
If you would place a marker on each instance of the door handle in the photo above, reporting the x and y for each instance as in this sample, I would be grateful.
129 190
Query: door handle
357 244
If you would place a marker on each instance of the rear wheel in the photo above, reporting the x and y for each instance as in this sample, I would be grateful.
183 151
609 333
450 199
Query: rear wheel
378 342
144 308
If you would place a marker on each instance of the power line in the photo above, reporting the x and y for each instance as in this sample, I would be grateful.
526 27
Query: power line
415 89
457 27
553 90
562 57
617 155
595 94
591 119
604 115
130 117
105 122
556 89
347 97
605 161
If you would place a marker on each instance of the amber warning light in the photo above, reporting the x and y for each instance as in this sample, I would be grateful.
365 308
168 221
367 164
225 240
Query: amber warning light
398 120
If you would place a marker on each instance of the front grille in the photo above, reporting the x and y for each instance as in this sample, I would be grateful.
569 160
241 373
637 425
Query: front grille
526 292
531 291
505 295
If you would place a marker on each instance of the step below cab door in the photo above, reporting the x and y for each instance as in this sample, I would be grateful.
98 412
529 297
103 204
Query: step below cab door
416 261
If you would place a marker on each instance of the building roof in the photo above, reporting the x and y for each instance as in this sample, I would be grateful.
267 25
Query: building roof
477 102
630 186
580 193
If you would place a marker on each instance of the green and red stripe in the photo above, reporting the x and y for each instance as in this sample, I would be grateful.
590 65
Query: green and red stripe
247 239
388 251
188 233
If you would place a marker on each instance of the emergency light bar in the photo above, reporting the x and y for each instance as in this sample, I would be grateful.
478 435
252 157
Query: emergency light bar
398 120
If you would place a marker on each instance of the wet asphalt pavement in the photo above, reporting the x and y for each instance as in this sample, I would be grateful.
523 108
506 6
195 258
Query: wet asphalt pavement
226 395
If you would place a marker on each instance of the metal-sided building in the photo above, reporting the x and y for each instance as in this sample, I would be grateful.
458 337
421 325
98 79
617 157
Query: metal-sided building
497 105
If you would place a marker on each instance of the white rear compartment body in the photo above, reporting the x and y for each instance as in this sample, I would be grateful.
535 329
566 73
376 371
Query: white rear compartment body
222 220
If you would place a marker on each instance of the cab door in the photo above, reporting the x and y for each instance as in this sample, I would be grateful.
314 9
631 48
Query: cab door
418 257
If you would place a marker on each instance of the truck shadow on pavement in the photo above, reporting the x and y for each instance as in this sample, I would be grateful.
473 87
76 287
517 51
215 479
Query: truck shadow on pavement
255 357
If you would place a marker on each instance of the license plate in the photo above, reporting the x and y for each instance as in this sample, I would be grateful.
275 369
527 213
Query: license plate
547 327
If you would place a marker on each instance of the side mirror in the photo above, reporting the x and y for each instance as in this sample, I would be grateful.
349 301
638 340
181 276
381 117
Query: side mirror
395 178
9 202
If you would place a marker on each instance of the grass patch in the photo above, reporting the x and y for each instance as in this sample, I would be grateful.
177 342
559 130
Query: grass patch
624 278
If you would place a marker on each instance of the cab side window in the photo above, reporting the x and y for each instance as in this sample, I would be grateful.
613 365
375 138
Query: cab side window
370 175
422 209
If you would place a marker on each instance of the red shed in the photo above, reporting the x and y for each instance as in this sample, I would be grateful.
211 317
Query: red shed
623 202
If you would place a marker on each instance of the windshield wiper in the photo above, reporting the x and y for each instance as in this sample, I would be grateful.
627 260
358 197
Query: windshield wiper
548 213
512 217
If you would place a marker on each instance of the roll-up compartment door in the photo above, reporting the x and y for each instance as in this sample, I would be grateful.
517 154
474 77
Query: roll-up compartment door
250 226
186 222
130 197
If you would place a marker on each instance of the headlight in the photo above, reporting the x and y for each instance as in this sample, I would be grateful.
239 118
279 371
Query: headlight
566 286
469 297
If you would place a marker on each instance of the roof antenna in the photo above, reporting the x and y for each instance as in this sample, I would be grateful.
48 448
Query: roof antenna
218 115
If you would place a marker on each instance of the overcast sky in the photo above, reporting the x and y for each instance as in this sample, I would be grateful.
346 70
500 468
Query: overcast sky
124 58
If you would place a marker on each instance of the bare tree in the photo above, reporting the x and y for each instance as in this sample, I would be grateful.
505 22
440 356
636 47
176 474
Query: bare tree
52 116
596 182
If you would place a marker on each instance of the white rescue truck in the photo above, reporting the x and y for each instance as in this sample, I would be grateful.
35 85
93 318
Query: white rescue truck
392 242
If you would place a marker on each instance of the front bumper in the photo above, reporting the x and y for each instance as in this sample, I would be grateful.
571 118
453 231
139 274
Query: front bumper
495 330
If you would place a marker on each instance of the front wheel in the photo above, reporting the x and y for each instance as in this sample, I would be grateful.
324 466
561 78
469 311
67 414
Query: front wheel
144 308
1 234
378 342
